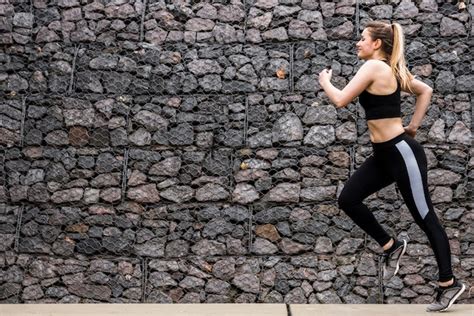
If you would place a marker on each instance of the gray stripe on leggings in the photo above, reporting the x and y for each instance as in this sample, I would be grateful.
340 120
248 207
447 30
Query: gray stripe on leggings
416 184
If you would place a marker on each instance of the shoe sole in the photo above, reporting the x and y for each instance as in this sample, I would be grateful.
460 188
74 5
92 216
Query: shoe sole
400 257
455 297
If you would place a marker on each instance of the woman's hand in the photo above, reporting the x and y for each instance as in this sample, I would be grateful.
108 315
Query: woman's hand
410 130
325 76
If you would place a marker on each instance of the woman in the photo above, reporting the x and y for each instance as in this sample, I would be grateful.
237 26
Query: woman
397 156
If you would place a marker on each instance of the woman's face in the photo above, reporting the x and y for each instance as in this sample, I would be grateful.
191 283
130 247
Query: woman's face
365 46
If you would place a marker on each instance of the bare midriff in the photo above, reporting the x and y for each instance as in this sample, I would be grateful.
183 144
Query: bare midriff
381 130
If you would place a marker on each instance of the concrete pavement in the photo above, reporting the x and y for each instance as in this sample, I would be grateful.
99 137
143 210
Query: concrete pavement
223 310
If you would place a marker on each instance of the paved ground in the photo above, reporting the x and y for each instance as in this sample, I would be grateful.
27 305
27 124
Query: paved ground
378 310
223 310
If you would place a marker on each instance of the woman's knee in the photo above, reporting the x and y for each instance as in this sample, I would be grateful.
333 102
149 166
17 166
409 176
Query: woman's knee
345 200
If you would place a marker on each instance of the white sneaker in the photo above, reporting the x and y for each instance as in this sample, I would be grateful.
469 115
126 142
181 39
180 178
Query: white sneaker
391 261
445 297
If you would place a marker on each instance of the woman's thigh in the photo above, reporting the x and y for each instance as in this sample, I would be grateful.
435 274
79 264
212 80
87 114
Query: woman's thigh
369 178
410 173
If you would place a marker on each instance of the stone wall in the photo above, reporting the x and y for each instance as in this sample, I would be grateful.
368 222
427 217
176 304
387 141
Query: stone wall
183 151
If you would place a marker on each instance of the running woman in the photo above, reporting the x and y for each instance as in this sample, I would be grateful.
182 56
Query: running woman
397 156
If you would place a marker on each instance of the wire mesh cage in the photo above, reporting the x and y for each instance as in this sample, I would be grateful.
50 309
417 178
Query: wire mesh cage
179 151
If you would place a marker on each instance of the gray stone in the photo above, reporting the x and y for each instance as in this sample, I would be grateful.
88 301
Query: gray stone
266 4
208 248
33 245
284 192
367 266
167 167
283 11
299 29
178 194
453 213
107 162
321 114
320 136
442 195
215 227
261 22
8 138
106 180
111 195
177 248
9 123
263 246
144 194
247 282
33 176
217 286
318 193
151 121
450 27
58 138
429 5
98 292
56 291
295 296
278 34
38 193
23 19
343 31
291 247
269 84
272 215
328 297
348 245
465 83
199 25
347 132
244 193
152 248
460 134
381 11
202 67
211 83
57 173
212 192
141 137
70 195
323 245
224 268
42 269
287 128
436 133
207 11
83 117
405 10
445 82
225 34
32 292
311 17
190 282
104 62
442 177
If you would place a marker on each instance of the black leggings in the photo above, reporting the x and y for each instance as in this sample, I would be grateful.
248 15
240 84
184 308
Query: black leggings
401 160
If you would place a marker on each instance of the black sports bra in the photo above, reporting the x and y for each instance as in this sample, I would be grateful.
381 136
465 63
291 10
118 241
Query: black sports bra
379 106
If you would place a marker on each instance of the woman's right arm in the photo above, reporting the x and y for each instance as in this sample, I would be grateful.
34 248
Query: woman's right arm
423 94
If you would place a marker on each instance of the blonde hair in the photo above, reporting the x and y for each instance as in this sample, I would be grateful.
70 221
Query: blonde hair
393 44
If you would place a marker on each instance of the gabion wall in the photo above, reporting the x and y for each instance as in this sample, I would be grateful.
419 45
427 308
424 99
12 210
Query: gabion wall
183 151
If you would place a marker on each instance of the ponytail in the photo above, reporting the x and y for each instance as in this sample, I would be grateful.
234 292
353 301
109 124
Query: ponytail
397 58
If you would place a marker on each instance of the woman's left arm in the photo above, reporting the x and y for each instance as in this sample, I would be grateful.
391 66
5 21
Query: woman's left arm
362 79
333 93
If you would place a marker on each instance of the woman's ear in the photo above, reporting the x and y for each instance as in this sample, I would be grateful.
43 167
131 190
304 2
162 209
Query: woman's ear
377 43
